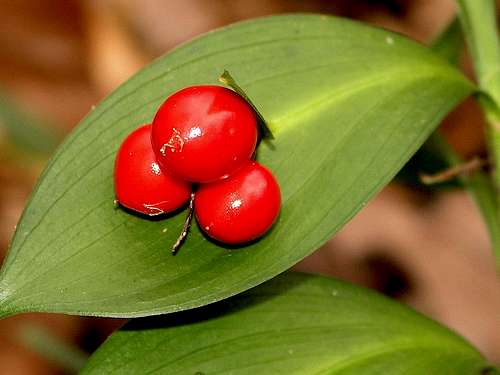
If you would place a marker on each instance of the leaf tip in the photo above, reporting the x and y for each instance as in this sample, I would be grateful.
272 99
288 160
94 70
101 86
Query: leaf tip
224 77
228 80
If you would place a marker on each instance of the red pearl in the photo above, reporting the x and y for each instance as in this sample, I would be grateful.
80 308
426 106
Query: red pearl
140 184
240 208
204 133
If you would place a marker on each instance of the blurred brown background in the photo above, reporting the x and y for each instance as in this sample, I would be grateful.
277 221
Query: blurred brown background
58 58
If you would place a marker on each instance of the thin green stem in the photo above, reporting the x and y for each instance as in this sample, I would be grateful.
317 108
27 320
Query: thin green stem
482 189
480 29
479 25
478 19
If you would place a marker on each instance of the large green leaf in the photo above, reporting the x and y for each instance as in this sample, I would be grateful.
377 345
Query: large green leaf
348 105
294 324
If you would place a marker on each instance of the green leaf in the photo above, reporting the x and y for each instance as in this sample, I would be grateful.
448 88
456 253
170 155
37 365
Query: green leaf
348 105
294 324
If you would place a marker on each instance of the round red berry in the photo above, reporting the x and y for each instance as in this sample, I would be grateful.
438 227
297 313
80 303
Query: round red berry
204 133
240 208
140 184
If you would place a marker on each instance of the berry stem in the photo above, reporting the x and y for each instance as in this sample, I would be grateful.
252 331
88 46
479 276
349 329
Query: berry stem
448 174
228 80
185 227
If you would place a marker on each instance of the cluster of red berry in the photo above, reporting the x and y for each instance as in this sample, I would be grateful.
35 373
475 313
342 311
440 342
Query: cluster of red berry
203 135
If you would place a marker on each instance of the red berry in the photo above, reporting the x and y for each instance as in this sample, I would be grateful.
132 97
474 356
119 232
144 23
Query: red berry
140 185
240 208
204 133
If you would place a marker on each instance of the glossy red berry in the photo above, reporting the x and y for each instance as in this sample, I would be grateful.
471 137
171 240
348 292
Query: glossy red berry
240 208
140 184
204 133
